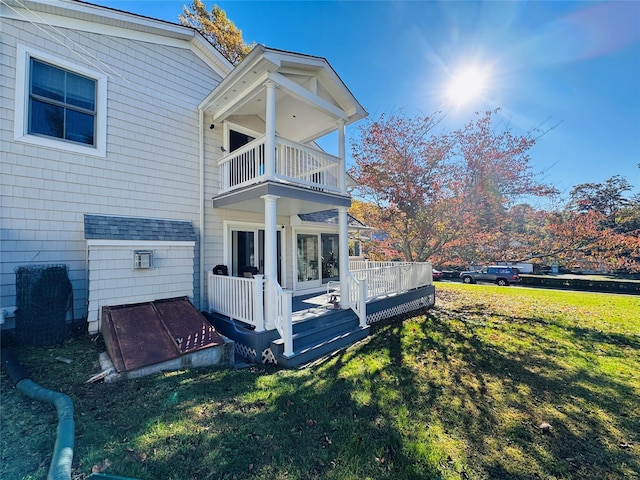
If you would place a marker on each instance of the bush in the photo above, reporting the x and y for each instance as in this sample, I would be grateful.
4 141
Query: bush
586 284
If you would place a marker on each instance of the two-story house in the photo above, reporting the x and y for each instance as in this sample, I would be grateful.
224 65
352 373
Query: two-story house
135 154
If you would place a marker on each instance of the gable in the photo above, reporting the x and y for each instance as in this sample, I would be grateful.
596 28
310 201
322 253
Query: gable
90 18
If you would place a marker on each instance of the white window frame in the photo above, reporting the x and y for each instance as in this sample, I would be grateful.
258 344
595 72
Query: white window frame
227 126
21 128
229 226
309 230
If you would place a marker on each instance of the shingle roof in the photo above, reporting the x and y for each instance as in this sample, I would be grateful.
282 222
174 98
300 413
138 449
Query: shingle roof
102 227
329 217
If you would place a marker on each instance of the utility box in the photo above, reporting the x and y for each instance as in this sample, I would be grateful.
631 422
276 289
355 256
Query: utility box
142 259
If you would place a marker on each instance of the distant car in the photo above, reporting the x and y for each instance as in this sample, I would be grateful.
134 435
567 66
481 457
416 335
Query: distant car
498 274
437 274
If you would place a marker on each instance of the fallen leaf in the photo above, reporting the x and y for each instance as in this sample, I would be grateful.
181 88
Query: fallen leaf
101 467
545 427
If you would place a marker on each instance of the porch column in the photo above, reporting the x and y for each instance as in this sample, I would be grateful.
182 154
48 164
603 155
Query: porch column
343 240
270 132
270 259
343 163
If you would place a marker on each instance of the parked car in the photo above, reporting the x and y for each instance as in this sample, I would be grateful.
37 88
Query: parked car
437 274
499 274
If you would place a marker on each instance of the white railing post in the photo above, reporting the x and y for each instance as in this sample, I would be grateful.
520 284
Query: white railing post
286 322
398 274
258 302
362 304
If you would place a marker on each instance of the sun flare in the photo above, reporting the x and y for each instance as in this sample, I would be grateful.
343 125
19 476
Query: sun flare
467 85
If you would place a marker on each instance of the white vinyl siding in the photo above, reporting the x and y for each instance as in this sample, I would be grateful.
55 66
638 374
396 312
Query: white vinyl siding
150 167
114 280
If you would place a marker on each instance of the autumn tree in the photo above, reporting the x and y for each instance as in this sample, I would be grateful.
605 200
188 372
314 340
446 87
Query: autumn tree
375 243
492 172
606 198
400 168
443 194
218 29
605 223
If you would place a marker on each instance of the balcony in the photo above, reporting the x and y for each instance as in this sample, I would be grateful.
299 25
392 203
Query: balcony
295 164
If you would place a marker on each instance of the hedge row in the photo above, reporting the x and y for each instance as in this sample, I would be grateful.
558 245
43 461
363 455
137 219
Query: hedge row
609 286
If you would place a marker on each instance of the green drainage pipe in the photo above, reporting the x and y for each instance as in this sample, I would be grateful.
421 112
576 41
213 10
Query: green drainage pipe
62 457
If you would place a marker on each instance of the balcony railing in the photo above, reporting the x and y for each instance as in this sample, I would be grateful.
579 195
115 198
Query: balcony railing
295 164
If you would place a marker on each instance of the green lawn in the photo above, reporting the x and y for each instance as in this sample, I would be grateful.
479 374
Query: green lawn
457 392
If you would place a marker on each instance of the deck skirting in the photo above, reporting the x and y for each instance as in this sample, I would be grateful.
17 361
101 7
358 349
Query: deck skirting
262 347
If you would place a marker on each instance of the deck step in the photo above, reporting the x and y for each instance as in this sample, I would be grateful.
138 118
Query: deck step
310 331
313 340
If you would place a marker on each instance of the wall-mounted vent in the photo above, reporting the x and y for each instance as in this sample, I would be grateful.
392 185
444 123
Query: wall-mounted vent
142 259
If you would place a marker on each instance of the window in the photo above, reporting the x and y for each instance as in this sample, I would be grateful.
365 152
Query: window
59 105
62 104
238 139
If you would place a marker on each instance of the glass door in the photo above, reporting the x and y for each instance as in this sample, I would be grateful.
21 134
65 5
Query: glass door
330 257
278 250
247 252
242 251
308 260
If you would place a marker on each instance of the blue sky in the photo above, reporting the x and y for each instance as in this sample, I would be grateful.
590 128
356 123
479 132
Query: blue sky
573 65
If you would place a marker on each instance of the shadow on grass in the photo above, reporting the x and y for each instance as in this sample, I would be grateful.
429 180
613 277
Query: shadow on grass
258 422
496 396
436 396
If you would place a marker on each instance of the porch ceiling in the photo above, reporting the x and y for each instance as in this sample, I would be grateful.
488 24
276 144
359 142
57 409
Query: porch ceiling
310 97
293 200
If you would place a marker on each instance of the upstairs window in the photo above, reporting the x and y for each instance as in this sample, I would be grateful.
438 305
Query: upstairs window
238 139
59 104
62 104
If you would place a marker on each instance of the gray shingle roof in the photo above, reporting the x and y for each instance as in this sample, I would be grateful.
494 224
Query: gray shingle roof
102 227
329 217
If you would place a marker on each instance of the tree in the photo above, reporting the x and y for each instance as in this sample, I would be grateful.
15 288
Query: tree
401 170
605 198
218 29
442 195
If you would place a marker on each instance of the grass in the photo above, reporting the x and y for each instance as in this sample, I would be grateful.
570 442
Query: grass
457 392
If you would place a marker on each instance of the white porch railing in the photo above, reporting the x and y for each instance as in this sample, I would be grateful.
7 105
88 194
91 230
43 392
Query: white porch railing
238 298
295 163
284 323
243 298
358 298
365 264
390 278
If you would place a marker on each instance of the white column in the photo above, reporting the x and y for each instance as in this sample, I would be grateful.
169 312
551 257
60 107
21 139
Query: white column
270 132
270 258
341 154
343 240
